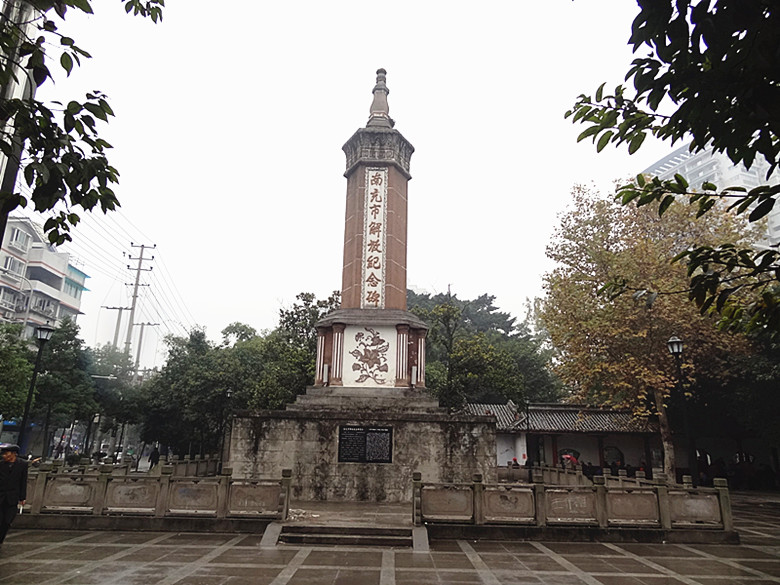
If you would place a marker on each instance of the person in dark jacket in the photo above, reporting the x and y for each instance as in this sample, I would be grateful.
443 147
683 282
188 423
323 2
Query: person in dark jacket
13 486
154 457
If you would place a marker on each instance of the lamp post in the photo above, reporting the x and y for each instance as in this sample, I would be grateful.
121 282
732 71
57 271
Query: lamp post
675 346
43 333
225 420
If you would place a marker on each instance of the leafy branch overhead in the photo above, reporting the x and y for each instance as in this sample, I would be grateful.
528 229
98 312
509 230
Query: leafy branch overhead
56 145
713 77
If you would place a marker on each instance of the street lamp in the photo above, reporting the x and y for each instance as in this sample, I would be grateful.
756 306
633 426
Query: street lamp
675 346
43 333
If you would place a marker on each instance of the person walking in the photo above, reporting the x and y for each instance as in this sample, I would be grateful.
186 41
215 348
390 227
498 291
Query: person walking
154 458
13 486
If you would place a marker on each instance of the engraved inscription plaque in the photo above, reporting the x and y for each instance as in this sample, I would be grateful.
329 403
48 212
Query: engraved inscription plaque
365 444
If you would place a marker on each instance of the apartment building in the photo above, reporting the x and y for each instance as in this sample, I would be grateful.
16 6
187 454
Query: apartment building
38 284
717 168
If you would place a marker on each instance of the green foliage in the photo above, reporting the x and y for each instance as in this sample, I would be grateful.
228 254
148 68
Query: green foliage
119 401
477 353
186 401
275 369
188 404
714 65
57 145
15 371
237 332
299 320
64 389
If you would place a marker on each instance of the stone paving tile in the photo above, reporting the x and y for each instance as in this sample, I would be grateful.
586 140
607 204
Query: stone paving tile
735 552
451 561
409 560
643 580
769 567
580 548
611 565
702 567
350 559
504 546
308 576
656 550
234 571
123 537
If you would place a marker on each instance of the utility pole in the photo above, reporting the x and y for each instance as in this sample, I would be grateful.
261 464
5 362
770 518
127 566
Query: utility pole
138 271
118 321
138 351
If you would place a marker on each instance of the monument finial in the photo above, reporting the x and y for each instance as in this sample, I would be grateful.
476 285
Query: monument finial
380 111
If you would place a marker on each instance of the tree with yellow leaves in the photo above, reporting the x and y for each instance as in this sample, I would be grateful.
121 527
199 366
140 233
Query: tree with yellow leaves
613 351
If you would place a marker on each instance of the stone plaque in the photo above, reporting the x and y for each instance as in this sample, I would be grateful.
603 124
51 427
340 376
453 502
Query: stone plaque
365 444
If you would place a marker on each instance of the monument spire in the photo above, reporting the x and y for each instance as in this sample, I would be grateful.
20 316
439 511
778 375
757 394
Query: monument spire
380 111
373 319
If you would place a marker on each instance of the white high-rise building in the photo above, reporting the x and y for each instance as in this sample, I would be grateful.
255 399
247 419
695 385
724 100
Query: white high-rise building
38 285
717 168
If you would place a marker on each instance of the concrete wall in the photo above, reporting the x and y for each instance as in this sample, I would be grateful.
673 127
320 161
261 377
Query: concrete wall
442 447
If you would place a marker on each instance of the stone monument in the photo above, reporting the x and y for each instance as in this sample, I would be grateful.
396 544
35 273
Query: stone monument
367 423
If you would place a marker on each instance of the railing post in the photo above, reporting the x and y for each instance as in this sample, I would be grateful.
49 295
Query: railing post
662 492
540 498
223 492
417 498
687 482
476 490
162 496
602 515
622 477
39 491
640 477
724 499
101 489
284 508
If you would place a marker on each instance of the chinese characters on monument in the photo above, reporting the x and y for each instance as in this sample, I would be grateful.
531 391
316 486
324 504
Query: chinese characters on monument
374 239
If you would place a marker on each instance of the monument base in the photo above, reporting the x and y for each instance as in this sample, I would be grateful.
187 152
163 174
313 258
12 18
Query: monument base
352 444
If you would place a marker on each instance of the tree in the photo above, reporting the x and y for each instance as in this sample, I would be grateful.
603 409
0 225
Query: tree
714 67
299 320
15 371
118 400
188 404
64 389
58 147
477 353
614 352
185 401
274 369
236 332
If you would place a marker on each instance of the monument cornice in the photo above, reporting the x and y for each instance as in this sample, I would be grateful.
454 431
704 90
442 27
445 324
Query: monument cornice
382 146
391 317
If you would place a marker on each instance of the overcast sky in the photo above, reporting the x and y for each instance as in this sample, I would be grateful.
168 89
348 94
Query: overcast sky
230 122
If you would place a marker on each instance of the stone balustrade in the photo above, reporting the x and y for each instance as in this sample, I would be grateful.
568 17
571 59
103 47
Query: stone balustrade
540 504
51 490
572 476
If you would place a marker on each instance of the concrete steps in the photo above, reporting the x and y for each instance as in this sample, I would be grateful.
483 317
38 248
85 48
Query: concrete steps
346 535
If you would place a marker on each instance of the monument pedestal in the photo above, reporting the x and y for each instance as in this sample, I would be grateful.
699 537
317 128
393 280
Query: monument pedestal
353 444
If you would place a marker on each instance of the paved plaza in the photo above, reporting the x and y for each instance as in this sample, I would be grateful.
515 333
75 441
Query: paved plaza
143 558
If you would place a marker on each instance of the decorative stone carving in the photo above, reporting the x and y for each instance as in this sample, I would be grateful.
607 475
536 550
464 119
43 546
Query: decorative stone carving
378 145
370 356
